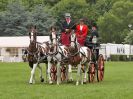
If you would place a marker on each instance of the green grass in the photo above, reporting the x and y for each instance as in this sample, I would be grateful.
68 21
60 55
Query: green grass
117 84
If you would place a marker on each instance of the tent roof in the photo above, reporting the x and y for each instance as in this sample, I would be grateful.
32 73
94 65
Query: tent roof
19 41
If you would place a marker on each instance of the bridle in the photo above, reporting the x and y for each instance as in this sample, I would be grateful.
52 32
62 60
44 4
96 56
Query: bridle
75 46
33 48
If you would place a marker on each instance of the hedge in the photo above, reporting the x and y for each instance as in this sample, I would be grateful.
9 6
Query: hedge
121 58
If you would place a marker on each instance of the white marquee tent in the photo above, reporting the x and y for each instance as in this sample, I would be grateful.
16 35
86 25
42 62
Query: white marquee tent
19 41
11 48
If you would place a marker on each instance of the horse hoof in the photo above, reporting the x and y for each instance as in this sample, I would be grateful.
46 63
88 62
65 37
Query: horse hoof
30 83
42 80
58 83
50 82
84 82
71 80
77 83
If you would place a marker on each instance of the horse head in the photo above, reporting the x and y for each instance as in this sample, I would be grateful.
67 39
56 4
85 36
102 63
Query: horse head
33 48
74 45
73 40
33 34
53 35
53 39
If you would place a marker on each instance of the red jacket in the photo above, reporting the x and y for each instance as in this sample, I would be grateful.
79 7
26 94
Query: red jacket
65 38
81 34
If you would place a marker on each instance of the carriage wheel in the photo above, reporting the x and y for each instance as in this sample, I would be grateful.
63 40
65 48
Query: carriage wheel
53 72
91 72
100 68
63 73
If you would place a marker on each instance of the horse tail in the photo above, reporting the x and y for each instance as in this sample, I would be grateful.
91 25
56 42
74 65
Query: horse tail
31 64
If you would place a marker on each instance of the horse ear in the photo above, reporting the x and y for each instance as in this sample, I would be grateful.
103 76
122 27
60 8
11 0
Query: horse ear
53 27
35 26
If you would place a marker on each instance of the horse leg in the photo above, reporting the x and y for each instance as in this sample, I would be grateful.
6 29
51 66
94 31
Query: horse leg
85 74
70 72
81 78
41 75
46 71
49 71
66 73
78 74
58 74
32 73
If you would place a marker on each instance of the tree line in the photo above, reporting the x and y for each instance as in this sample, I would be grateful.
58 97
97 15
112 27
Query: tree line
113 17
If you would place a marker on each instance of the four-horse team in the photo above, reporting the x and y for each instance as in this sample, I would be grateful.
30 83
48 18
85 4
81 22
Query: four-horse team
71 49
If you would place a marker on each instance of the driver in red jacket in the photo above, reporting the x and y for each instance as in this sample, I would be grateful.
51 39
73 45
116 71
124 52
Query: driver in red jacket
81 32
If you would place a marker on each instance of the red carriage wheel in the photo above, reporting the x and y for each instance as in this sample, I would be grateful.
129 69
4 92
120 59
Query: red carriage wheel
53 72
91 73
100 68
63 73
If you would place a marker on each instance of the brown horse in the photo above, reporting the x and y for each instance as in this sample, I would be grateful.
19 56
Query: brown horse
35 54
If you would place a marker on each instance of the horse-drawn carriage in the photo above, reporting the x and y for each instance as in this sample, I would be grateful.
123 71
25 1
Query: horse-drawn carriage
86 58
96 68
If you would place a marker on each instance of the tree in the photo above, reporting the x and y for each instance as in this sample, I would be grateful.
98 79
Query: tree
103 6
51 2
91 1
114 24
13 21
41 19
78 9
3 4
129 38
108 26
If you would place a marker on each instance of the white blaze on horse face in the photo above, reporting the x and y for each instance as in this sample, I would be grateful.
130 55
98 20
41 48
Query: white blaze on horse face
73 38
32 38
54 38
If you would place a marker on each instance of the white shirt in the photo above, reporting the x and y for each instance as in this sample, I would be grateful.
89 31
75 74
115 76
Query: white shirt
81 27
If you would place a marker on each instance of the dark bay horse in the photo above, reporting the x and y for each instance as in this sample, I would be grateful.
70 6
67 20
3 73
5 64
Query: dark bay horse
35 55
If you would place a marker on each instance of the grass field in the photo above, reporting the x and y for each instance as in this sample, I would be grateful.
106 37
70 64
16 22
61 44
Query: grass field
117 84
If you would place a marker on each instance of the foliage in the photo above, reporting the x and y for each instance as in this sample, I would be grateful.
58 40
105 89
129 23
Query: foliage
113 25
13 21
51 2
3 4
121 58
103 6
73 7
129 38
16 20
41 19
114 57
112 16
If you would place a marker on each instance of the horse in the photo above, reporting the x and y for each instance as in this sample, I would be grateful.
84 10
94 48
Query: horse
35 54
79 56
55 55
